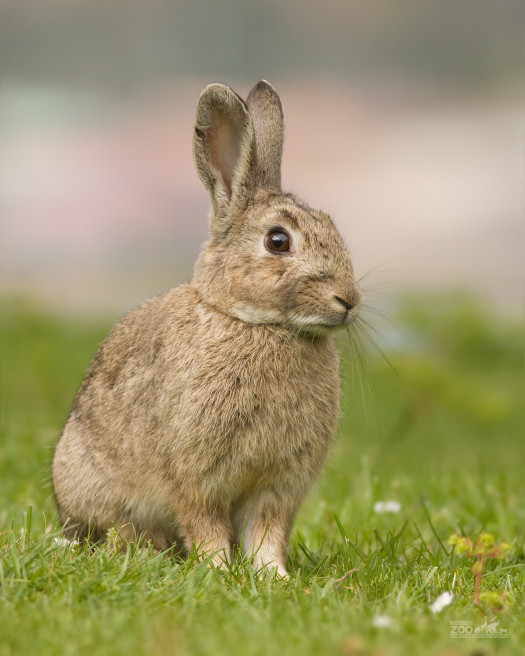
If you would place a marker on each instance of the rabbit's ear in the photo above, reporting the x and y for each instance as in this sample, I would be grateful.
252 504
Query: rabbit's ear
267 116
224 148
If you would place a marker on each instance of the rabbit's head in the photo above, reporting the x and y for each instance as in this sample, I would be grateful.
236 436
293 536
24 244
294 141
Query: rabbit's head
271 259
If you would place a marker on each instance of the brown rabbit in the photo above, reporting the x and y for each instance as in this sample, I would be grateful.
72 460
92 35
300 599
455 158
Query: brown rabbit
209 411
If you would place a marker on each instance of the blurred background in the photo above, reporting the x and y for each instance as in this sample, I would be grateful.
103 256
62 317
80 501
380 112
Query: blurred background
403 120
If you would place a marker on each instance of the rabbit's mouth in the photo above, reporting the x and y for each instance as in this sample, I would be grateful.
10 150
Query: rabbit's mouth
337 315
322 325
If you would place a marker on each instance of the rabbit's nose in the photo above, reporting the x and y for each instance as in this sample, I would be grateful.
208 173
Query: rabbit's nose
347 306
350 301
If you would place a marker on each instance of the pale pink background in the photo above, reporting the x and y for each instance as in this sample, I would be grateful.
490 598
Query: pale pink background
100 205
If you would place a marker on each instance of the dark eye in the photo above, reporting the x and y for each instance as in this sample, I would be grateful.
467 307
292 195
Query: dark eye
277 241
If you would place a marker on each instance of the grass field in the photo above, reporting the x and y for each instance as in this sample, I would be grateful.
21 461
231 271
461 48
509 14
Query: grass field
443 435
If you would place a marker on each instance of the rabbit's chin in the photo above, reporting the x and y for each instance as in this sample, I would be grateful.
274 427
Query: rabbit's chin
294 322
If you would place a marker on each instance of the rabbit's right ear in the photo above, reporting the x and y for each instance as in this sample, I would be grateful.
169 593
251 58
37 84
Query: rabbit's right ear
224 149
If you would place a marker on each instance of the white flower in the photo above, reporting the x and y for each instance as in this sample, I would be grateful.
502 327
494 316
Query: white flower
64 542
387 507
381 621
444 599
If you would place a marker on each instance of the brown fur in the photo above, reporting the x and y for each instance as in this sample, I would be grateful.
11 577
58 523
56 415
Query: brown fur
209 411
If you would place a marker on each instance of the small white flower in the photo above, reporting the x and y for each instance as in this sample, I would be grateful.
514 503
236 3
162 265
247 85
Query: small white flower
444 599
387 507
64 542
382 621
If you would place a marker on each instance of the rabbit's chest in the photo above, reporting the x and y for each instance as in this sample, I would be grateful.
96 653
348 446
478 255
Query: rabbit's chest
258 413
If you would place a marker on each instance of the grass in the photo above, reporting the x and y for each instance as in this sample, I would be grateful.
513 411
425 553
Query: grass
442 435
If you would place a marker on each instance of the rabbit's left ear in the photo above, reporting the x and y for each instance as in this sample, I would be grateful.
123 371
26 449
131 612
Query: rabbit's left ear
224 151
266 111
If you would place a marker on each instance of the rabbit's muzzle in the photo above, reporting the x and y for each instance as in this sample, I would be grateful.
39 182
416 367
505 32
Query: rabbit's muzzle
343 307
349 303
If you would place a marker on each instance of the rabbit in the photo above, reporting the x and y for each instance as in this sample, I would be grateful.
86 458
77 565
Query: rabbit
209 411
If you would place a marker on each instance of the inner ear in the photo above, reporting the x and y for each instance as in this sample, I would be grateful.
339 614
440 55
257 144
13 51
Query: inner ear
225 147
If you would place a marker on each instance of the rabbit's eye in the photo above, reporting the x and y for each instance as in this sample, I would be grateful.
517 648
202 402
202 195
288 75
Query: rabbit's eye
277 241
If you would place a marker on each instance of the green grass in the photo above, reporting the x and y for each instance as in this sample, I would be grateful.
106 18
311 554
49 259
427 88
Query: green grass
443 435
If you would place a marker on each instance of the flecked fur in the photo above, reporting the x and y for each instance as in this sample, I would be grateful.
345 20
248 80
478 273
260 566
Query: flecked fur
209 411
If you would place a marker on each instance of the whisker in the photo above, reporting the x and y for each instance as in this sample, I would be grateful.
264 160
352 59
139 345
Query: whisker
379 284
373 291
364 358
362 321
361 326
359 367
378 269
355 360
352 357
382 315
